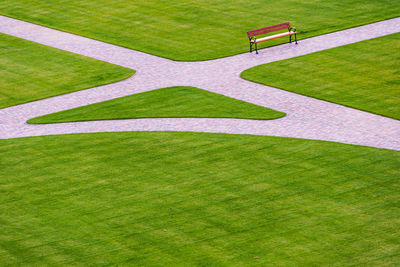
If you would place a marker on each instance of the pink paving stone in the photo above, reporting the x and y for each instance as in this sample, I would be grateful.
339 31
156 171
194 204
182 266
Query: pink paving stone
307 117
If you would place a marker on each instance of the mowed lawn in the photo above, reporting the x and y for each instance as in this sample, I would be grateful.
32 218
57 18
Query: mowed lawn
363 75
171 102
30 71
195 29
185 199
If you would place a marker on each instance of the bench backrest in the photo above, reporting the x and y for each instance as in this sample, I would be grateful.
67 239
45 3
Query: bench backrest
265 30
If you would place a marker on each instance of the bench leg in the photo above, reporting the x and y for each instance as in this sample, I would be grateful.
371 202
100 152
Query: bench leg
295 38
256 49
251 47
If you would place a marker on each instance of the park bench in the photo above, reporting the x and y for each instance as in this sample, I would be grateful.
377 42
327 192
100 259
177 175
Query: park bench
253 39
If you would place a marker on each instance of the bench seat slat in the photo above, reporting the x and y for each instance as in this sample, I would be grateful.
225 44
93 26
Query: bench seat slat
268 29
273 37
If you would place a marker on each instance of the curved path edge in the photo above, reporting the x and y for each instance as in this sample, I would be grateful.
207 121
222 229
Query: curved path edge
307 118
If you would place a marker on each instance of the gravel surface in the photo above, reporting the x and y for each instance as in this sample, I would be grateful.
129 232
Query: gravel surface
307 117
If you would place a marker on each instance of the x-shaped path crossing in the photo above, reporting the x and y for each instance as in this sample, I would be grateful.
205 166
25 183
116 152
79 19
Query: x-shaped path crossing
306 117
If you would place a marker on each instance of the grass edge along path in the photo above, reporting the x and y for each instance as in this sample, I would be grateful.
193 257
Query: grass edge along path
182 31
32 71
182 199
170 102
363 75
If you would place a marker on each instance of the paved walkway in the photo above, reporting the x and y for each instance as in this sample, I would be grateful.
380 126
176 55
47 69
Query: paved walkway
307 117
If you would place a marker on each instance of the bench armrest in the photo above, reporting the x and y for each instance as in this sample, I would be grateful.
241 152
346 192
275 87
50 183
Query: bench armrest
252 39
292 29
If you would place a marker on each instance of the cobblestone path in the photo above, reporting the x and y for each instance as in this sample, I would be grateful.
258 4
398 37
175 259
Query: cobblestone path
307 117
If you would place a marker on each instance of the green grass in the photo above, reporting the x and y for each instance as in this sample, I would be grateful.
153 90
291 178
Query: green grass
30 71
364 75
168 199
195 29
184 199
171 102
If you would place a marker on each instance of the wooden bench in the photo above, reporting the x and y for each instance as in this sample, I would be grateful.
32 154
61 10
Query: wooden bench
253 39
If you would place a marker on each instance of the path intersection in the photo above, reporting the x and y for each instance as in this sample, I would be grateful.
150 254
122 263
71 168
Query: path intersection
307 117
